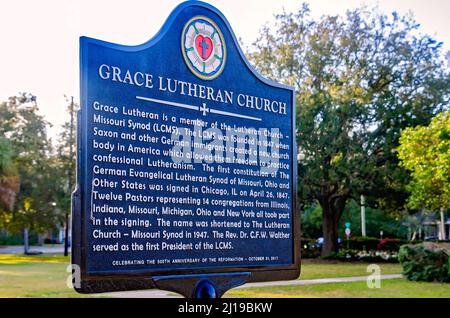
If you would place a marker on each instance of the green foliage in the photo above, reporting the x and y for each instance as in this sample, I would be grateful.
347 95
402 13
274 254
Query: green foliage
17 239
343 255
376 220
360 80
355 256
425 151
426 262
10 240
309 248
374 244
7 167
9 180
362 243
392 245
65 161
32 155
311 222
352 248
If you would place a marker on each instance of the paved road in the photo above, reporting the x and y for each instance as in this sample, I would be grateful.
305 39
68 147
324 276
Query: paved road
166 294
56 249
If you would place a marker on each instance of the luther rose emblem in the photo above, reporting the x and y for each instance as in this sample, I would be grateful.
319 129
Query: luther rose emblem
203 48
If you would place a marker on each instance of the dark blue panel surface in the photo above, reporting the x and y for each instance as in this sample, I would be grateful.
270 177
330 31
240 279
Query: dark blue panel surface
147 204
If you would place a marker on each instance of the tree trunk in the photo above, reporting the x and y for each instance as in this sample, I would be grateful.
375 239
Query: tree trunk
331 214
66 236
330 236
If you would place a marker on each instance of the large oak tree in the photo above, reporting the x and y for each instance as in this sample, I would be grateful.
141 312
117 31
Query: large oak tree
360 79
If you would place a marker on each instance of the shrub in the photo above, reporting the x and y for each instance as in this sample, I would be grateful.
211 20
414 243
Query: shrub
50 241
362 243
17 239
309 248
374 244
11 240
374 258
356 256
343 255
426 262
388 244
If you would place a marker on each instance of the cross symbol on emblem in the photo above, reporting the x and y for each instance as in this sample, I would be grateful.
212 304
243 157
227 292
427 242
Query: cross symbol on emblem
204 46
204 109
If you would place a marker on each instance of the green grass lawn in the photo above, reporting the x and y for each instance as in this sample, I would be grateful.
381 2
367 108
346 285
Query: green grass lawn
312 269
393 288
45 276
34 276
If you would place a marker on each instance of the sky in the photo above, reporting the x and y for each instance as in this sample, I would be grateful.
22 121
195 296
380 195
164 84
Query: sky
40 39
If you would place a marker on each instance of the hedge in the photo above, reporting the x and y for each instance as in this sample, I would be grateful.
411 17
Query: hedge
17 239
11 240
309 248
374 244
426 262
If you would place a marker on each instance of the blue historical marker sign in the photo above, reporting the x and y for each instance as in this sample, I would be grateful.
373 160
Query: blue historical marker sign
186 160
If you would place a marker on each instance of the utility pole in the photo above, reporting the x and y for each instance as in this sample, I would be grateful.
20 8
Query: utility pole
363 216
26 246
442 226
66 235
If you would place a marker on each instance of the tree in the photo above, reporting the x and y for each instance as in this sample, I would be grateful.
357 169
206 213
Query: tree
66 168
9 181
311 221
425 151
360 80
32 155
376 220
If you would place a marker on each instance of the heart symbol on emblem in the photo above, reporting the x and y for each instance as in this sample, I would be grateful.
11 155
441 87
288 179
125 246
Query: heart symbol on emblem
204 46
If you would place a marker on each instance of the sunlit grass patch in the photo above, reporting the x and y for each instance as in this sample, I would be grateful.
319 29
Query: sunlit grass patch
392 288
11 259
34 276
315 270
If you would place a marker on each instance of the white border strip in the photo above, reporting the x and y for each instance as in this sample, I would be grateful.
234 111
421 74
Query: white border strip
219 112
213 111
168 103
